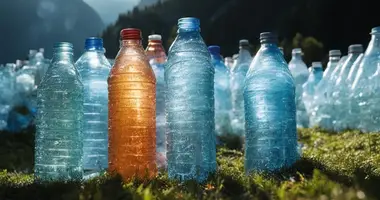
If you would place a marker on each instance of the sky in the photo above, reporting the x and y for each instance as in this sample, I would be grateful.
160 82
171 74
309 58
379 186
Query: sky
109 10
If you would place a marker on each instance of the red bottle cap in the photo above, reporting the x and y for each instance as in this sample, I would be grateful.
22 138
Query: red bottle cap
130 34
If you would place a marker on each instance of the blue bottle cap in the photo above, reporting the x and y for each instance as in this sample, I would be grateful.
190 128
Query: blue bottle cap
93 43
189 23
214 49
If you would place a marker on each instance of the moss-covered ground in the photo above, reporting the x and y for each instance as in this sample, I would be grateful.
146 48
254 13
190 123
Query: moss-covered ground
333 166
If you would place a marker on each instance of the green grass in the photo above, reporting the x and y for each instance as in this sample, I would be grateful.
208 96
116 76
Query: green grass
333 166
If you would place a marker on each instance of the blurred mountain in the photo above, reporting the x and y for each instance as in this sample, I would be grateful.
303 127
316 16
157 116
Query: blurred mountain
31 24
331 23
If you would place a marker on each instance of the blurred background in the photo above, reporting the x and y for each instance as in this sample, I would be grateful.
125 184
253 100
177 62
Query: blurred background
314 25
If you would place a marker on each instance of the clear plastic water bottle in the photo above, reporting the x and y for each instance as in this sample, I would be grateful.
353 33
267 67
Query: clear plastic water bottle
190 125
322 103
300 74
237 86
7 89
270 110
157 59
340 94
94 69
309 87
222 93
58 143
364 99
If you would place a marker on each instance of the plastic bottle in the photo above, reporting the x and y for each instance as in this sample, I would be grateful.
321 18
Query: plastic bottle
270 110
94 69
222 93
157 57
190 126
132 111
300 74
364 99
340 94
237 86
309 87
58 143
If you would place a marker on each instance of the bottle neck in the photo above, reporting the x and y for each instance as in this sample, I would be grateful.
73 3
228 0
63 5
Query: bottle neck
334 58
63 56
297 56
374 44
129 42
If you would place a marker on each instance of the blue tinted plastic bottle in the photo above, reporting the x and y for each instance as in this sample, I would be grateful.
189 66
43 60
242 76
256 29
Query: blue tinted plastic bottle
190 126
237 86
270 110
309 87
94 69
300 74
222 93
58 144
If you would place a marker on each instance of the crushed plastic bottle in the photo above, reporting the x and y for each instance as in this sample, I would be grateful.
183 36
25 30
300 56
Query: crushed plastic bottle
309 88
300 74
157 60
94 69
222 93
238 74
270 110
190 125
59 145
132 111
364 100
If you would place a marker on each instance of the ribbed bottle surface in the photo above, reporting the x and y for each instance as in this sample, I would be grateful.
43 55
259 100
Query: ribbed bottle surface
238 74
190 127
132 113
270 112
222 94
157 59
94 69
300 74
58 143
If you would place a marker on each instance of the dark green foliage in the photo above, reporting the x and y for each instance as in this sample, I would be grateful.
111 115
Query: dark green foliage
333 166
225 22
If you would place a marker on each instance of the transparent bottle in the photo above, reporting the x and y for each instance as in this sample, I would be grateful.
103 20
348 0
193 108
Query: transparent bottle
132 111
157 58
340 94
238 74
365 88
309 88
270 110
229 62
58 142
222 93
300 74
190 125
94 69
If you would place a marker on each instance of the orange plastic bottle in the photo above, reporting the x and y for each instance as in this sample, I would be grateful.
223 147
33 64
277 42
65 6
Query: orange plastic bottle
132 110
155 50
